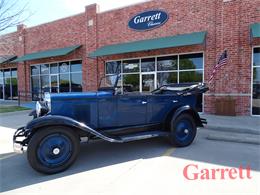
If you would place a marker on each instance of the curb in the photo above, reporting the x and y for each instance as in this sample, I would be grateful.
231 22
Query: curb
16 112
232 129
237 139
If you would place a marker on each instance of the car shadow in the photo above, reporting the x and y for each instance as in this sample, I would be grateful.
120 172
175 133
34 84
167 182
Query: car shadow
17 173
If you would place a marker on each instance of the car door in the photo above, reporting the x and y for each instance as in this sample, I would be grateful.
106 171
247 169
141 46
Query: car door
131 110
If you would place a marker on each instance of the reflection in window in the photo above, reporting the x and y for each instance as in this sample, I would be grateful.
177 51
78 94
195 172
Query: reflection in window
130 66
64 83
191 77
35 70
256 83
45 69
148 65
191 61
76 66
56 77
113 67
54 68
131 83
167 63
64 67
8 84
165 78
76 82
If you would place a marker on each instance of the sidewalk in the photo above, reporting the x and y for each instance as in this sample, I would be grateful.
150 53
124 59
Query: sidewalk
240 129
237 124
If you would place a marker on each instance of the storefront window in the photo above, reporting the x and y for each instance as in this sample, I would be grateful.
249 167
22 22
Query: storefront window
142 75
148 65
131 66
164 78
191 61
56 77
8 84
113 67
256 82
167 63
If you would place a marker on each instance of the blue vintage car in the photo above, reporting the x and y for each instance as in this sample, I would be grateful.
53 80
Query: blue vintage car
61 121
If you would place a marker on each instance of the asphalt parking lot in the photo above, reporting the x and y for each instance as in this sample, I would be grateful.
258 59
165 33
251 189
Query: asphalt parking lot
142 167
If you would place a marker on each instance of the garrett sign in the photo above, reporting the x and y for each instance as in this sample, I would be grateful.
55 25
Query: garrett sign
148 20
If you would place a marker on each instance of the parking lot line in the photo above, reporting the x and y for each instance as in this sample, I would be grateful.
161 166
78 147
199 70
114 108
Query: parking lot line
169 152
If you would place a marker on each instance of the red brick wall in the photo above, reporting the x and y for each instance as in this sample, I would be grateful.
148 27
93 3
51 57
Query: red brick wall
227 24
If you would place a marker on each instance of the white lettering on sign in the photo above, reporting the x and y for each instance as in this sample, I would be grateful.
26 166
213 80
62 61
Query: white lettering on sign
139 19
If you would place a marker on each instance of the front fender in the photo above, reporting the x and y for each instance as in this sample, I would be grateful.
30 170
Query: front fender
189 110
56 120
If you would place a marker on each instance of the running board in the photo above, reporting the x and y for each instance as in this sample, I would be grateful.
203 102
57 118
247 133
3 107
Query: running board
143 135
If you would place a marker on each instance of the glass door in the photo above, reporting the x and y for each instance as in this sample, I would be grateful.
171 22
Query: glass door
54 83
147 82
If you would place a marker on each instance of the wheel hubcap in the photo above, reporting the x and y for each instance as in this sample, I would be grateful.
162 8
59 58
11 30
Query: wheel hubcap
184 130
54 150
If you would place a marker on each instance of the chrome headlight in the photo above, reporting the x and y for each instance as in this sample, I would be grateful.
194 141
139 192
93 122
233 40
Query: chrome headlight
38 108
47 99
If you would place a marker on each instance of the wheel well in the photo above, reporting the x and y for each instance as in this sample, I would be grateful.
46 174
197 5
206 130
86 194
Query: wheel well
191 112
76 130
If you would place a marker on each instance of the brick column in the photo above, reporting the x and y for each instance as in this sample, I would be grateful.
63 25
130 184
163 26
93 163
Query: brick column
22 70
91 18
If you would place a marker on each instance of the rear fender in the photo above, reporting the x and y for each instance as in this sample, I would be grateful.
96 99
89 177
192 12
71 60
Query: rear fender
174 114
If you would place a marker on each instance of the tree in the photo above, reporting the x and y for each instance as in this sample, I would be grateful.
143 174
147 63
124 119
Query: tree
12 13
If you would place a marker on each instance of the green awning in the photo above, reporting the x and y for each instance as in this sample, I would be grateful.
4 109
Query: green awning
255 30
6 58
48 53
196 38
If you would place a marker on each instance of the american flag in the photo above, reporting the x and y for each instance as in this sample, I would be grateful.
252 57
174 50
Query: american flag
221 62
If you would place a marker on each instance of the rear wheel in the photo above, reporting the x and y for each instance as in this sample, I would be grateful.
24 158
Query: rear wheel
53 149
183 130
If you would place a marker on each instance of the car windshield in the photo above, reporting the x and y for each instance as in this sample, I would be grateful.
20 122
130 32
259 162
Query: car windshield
108 81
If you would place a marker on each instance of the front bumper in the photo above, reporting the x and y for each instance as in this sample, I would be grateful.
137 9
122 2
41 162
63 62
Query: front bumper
20 140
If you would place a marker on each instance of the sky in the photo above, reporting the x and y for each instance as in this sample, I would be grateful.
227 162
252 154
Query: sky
42 11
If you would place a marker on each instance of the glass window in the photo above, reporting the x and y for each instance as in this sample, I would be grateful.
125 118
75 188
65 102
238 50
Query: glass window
131 83
191 77
256 91
113 67
7 73
256 56
76 66
14 89
148 65
167 63
1 73
45 83
45 69
14 73
64 67
54 68
165 78
64 82
148 82
130 66
8 95
35 70
191 61
76 82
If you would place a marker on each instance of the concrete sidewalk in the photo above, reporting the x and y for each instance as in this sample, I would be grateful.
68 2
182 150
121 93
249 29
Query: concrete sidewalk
237 124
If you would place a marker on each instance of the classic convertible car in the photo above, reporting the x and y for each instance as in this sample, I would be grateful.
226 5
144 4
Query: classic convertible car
61 121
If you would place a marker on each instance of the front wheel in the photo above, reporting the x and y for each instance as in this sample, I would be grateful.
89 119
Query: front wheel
53 149
183 130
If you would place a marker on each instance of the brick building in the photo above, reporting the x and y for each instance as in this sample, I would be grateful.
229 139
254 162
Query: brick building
73 53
